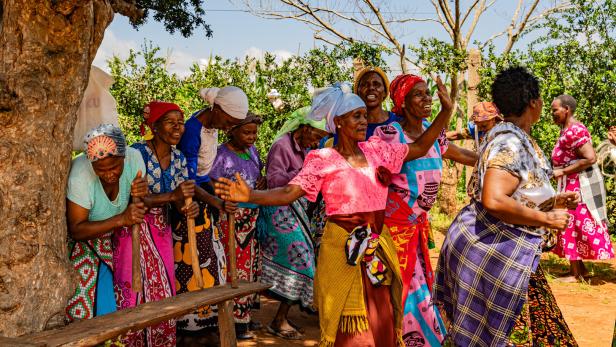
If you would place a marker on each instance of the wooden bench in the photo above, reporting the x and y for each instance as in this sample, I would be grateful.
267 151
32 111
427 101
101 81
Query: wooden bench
97 330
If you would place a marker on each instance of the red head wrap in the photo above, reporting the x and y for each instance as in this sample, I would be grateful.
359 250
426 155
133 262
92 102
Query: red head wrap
401 86
156 109
484 111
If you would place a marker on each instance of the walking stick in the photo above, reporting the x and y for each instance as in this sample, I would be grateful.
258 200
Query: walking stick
232 255
137 285
192 244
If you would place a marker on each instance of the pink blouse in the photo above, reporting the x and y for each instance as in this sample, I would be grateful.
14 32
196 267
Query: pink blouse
345 189
571 138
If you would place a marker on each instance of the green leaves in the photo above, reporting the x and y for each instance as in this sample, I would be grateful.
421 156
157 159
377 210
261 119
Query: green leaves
143 77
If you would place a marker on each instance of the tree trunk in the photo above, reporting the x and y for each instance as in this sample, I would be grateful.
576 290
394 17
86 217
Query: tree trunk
447 198
46 50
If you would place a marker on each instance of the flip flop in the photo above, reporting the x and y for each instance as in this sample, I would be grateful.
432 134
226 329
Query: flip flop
285 334
295 326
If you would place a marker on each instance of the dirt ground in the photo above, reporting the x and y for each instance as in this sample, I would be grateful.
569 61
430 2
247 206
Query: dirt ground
589 308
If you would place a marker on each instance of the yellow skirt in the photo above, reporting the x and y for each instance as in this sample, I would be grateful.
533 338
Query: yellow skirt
338 287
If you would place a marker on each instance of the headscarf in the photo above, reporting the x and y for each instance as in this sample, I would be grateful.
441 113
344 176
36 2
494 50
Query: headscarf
331 102
401 86
484 111
250 118
104 141
366 70
232 100
298 118
152 112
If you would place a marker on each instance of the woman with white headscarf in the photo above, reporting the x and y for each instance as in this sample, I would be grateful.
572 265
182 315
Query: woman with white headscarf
357 283
228 107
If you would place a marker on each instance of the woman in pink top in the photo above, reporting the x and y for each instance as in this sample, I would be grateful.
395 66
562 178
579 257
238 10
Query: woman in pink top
574 160
357 264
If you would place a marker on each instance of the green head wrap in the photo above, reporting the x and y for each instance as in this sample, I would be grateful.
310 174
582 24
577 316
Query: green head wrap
298 118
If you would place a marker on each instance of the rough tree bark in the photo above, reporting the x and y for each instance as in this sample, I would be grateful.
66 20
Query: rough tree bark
46 50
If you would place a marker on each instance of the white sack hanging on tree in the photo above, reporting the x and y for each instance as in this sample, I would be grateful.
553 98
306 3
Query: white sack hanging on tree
97 106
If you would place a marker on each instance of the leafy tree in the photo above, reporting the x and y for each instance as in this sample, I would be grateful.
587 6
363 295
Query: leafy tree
295 78
47 48
576 55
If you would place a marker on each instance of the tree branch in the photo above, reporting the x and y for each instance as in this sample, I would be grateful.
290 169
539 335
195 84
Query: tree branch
127 8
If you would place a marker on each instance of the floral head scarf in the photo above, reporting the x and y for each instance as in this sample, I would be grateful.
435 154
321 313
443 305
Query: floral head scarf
104 141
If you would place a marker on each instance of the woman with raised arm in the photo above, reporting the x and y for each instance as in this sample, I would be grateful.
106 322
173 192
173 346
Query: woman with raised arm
357 283
411 195
488 278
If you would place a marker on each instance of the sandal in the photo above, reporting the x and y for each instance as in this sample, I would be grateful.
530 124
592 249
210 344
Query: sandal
296 327
285 334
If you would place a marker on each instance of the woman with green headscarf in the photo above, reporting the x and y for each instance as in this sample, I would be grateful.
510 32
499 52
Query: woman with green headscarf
288 250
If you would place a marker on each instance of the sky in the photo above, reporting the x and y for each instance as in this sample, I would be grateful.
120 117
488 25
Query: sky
238 34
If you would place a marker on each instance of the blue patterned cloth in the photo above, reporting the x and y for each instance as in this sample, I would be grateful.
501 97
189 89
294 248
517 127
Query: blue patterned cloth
482 276
163 181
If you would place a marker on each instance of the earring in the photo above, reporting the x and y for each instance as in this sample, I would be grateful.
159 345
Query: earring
403 105
339 126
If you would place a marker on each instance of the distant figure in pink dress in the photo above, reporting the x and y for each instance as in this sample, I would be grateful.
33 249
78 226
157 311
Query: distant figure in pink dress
574 159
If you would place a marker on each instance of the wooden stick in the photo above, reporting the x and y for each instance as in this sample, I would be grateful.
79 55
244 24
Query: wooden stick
232 255
192 244
137 284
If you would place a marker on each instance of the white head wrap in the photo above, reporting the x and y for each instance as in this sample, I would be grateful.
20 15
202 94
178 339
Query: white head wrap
231 99
331 102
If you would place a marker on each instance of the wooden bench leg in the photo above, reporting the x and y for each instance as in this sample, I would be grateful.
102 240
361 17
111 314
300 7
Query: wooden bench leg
226 324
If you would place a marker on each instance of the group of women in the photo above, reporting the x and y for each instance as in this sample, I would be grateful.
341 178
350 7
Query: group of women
371 176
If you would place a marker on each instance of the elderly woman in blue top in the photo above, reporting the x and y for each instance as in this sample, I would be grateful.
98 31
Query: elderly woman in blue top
100 185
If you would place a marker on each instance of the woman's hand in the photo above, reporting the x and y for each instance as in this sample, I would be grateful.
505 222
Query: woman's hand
139 186
568 200
228 206
557 219
192 210
133 214
237 191
443 95
558 173
185 190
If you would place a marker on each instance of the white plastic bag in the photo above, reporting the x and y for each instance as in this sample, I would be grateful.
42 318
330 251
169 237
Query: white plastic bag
97 106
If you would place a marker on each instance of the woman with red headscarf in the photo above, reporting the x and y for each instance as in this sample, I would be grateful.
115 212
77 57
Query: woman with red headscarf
168 187
411 195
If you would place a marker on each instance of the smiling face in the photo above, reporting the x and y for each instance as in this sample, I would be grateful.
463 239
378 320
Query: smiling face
109 169
245 136
353 124
418 101
170 127
371 90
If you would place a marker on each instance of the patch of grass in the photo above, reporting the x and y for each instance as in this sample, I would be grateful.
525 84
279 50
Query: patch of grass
439 221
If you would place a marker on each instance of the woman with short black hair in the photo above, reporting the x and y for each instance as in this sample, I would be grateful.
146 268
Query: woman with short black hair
488 280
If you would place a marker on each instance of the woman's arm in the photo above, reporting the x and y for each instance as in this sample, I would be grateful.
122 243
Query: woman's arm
238 191
498 186
587 156
82 229
422 145
461 155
